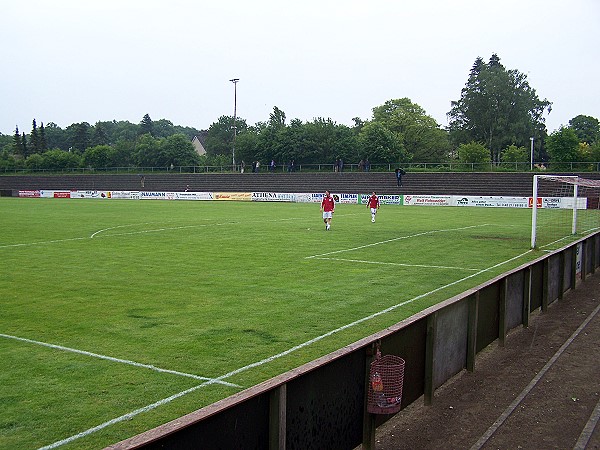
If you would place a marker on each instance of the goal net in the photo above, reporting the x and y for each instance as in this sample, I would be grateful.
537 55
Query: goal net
564 208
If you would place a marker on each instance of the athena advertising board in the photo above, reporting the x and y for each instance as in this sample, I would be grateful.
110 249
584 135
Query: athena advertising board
273 197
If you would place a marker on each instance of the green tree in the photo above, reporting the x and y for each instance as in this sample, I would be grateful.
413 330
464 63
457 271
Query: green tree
178 151
17 145
380 145
34 138
56 137
146 125
24 147
43 140
246 146
563 147
586 128
7 159
99 135
595 153
79 136
121 131
423 138
514 154
473 153
273 138
147 151
34 162
99 156
59 159
6 142
219 137
322 140
164 128
125 153
497 107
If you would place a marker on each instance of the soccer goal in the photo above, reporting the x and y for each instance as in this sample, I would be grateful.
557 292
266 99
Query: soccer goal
563 208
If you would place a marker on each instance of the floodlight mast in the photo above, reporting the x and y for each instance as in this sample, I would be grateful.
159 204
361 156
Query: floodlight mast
532 140
234 81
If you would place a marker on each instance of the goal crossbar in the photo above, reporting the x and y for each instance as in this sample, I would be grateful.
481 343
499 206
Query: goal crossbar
566 193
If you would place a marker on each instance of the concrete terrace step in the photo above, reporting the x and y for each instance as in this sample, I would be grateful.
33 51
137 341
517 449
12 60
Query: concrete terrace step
417 183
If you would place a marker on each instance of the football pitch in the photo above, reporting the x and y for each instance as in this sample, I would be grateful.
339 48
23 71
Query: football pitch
120 315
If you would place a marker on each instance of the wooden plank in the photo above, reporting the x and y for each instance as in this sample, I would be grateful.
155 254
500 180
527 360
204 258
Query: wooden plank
277 417
502 319
472 331
430 358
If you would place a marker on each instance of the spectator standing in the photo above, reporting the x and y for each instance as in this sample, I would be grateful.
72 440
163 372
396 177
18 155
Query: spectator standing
399 173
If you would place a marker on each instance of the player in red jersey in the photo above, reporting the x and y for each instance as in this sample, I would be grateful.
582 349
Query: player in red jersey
327 207
373 204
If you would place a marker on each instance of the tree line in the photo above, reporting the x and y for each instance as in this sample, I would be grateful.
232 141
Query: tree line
496 119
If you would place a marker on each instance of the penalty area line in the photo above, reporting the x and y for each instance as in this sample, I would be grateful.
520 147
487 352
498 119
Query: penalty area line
112 359
425 266
387 241
124 417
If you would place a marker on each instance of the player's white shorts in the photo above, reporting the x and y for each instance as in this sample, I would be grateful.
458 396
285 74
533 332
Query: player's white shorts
373 210
327 214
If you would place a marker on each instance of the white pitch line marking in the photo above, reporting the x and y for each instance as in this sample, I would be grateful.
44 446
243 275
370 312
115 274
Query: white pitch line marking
110 358
124 417
424 233
115 227
54 241
425 266
267 360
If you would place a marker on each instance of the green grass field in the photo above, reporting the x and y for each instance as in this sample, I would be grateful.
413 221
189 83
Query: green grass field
120 315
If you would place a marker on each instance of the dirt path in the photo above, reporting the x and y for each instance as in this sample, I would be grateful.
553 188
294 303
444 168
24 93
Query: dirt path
541 391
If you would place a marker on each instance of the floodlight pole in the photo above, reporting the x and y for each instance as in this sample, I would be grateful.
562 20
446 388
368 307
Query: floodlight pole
531 139
234 81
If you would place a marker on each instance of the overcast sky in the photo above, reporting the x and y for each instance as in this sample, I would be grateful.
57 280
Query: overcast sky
67 61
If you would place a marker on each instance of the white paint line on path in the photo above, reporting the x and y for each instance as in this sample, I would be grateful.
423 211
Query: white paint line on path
110 358
266 360
510 409
588 430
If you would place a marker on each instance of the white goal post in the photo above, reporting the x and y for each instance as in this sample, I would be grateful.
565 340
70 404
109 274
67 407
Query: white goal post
563 207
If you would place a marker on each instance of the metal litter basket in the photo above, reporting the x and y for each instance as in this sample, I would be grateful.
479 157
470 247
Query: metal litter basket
386 378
